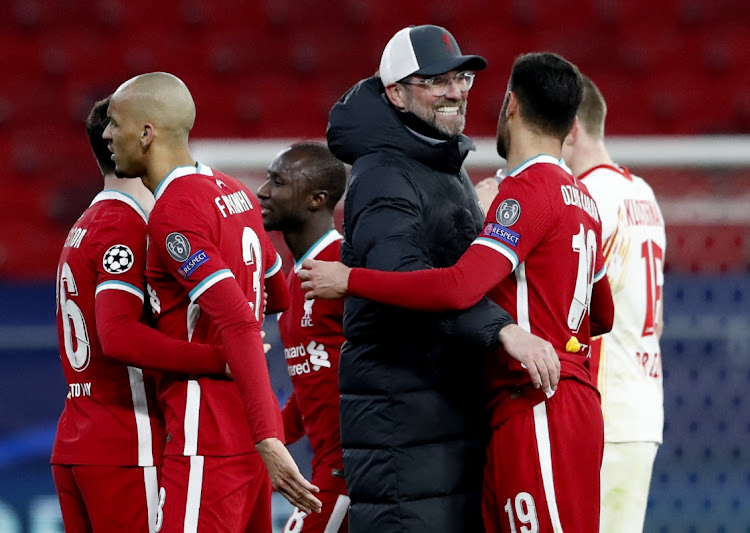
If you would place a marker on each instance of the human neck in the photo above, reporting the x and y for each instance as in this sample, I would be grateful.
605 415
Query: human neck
589 155
300 240
133 187
162 162
526 144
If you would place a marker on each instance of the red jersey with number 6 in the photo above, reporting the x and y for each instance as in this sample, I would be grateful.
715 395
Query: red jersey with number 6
110 415
206 228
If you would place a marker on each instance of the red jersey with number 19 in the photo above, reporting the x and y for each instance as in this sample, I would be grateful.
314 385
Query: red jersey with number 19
206 227
110 415
312 334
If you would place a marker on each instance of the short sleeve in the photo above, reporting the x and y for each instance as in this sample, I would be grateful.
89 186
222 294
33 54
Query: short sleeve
519 217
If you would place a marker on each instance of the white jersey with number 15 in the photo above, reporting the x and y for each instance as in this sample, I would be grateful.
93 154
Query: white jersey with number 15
634 246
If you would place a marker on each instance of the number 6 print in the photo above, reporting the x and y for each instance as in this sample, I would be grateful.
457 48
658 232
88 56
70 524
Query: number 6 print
73 322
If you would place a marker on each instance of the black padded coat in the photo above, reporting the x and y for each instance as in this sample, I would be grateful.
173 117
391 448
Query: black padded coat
412 417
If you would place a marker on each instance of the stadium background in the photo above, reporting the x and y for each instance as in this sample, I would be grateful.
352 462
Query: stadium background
270 70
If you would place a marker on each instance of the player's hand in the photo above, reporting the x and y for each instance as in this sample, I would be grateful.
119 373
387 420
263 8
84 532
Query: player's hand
535 354
324 279
486 191
286 477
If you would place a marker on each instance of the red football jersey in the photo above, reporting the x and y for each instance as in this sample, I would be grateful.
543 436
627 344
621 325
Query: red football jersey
312 334
206 228
545 223
544 229
110 415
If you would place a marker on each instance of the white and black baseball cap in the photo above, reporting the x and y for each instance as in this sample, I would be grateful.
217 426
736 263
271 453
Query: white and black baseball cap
426 50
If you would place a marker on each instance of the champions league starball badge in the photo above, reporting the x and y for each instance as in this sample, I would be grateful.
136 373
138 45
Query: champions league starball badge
118 259
508 212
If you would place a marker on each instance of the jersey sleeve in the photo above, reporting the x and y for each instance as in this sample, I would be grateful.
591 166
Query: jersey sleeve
120 258
442 289
119 306
184 240
602 311
277 291
294 430
125 338
518 219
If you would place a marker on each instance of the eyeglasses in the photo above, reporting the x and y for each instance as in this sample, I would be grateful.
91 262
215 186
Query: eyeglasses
439 85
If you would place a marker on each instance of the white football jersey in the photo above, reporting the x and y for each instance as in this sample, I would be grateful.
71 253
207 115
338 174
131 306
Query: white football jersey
630 369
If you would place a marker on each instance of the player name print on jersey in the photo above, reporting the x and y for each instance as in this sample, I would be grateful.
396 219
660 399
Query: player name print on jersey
233 204
642 213
75 236
76 390
573 196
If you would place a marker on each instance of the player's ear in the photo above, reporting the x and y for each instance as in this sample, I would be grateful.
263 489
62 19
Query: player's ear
317 199
147 135
395 93
512 106
572 136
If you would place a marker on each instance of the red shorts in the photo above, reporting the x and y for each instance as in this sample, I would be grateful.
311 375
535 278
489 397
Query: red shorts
543 465
107 498
215 494
332 519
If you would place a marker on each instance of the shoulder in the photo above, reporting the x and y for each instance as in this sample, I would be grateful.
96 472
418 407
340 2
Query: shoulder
115 217
381 175
332 252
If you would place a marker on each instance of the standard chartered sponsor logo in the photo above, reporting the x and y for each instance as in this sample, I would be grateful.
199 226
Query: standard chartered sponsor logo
318 358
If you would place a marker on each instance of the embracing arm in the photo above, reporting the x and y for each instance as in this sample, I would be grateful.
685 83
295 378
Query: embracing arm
443 289
125 338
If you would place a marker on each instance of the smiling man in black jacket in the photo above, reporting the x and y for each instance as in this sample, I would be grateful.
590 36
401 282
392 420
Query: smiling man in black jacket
413 425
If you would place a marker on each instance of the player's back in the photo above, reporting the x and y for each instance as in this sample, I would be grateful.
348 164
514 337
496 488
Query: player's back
110 416
205 227
630 373
557 246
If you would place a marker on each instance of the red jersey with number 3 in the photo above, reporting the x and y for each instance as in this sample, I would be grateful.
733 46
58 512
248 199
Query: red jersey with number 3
312 334
205 227
110 415
545 223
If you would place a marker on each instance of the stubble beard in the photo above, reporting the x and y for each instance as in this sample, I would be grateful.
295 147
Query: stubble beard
429 115
503 137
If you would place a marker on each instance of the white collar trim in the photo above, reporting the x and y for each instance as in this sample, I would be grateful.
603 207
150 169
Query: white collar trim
112 194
